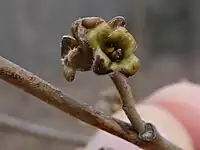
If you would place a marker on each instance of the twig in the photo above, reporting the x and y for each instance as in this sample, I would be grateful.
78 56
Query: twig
53 96
128 101
147 131
17 125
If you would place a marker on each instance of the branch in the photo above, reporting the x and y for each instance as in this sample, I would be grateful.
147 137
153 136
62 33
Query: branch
53 96
12 124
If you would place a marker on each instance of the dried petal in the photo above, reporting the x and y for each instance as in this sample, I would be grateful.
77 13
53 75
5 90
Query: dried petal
117 22
91 22
67 43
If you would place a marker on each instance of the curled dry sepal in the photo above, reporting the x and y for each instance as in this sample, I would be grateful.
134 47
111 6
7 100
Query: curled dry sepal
100 46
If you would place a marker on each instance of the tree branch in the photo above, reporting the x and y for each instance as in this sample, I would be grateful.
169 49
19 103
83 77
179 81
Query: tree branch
53 96
17 125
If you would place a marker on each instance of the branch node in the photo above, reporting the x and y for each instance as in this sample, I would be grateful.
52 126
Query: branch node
149 134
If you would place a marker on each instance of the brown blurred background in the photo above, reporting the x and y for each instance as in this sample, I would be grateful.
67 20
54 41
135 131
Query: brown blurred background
167 33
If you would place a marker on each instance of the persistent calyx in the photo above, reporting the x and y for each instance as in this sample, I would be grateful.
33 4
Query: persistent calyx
100 46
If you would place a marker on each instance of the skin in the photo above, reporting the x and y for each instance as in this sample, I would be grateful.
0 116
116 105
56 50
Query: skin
174 109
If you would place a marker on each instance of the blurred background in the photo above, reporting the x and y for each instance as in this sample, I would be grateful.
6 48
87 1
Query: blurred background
167 33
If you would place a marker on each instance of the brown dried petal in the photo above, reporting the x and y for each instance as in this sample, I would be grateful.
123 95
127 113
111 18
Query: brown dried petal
91 22
67 43
82 25
117 21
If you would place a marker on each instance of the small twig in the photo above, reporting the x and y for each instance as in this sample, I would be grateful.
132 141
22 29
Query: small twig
17 125
53 96
128 101
146 131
